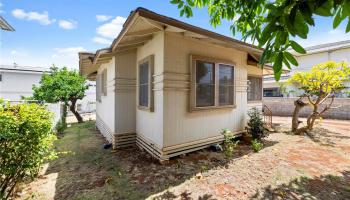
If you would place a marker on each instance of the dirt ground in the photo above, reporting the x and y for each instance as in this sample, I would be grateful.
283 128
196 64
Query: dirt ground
289 167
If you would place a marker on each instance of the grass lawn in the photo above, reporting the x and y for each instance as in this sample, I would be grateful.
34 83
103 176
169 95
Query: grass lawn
289 167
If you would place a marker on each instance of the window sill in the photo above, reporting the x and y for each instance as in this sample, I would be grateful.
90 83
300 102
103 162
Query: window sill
196 109
144 108
258 101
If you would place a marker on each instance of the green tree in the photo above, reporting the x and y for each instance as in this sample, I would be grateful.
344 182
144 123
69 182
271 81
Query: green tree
273 24
323 82
26 142
62 85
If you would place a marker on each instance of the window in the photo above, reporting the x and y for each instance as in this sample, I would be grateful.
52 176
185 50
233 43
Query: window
98 87
213 84
205 84
272 92
0 77
104 82
254 92
145 90
226 76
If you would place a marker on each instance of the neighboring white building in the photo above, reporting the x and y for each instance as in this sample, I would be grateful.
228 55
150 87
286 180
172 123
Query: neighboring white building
337 51
17 81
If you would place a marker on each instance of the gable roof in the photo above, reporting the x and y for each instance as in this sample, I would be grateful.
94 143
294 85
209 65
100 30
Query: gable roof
139 28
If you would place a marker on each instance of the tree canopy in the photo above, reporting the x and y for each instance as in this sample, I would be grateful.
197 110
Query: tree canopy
273 24
322 82
61 85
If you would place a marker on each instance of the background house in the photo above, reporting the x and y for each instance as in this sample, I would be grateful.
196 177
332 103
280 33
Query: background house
337 51
17 81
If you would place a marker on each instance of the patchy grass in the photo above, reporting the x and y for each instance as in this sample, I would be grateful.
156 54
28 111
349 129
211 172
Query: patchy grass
288 167
85 170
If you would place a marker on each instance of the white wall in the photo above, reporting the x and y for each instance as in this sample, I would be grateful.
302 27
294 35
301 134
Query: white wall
88 103
15 84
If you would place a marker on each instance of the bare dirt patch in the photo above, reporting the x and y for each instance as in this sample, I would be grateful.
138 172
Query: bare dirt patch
289 167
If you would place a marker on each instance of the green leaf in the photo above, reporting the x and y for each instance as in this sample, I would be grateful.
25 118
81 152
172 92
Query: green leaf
265 55
182 12
337 19
348 26
290 58
174 1
285 61
325 8
346 7
277 66
300 26
297 47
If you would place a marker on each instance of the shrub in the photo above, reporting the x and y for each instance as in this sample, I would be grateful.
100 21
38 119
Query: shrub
256 145
256 125
26 141
229 143
60 127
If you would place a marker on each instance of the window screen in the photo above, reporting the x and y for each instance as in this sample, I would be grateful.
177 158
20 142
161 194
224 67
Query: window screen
144 84
226 76
205 84
254 88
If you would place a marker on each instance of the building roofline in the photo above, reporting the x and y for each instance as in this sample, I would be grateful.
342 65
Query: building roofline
332 46
5 25
143 12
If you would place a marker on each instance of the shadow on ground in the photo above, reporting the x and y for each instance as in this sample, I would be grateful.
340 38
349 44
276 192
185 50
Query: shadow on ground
326 137
324 187
87 171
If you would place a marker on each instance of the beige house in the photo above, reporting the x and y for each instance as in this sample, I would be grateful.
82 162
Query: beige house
171 87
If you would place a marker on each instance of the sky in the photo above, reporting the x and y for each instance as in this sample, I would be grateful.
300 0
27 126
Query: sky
53 32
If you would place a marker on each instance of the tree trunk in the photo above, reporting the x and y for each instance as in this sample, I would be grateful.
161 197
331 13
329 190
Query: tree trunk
72 109
299 104
312 118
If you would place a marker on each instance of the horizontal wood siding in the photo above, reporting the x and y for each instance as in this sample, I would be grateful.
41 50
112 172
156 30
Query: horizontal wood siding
150 124
125 92
105 108
182 126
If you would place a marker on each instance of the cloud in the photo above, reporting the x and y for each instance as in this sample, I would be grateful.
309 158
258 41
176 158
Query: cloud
101 40
68 52
103 18
42 18
67 24
112 28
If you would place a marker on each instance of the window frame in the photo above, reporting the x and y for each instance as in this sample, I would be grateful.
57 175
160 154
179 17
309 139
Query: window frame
104 82
98 87
193 92
150 60
262 88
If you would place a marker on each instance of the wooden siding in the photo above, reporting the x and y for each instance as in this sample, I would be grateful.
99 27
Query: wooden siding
150 124
182 126
125 92
105 107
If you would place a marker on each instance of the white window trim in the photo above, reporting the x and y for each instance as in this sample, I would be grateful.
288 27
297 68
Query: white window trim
217 62
150 107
